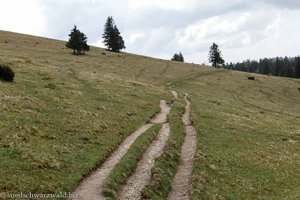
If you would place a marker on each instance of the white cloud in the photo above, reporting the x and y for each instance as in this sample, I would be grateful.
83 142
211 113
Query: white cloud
131 38
98 43
274 29
162 4
212 30
22 16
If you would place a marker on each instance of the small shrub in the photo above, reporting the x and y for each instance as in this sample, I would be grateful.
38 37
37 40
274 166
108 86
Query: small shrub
251 78
6 73
51 86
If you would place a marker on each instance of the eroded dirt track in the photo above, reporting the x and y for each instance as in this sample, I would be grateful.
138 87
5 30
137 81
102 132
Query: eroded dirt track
162 117
91 188
142 175
181 185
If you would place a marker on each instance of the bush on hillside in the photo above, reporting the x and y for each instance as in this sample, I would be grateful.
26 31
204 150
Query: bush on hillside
178 57
6 73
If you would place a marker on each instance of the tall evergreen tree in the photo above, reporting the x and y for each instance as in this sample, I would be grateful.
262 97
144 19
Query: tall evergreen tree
178 57
215 56
264 66
297 67
112 37
77 42
277 70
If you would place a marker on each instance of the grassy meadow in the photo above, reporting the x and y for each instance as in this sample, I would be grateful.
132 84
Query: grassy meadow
64 114
249 134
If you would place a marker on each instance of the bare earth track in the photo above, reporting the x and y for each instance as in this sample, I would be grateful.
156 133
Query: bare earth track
175 94
142 175
91 188
181 186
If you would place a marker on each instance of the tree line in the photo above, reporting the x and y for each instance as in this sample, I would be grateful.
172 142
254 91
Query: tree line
279 66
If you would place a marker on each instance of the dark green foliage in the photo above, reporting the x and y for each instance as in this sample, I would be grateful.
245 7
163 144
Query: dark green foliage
77 42
215 56
6 73
264 66
112 38
178 57
279 66
297 67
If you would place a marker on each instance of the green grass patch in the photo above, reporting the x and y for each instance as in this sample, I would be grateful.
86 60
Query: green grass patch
56 126
166 165
127 164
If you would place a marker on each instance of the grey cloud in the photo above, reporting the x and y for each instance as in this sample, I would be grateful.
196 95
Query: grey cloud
154 18
290 4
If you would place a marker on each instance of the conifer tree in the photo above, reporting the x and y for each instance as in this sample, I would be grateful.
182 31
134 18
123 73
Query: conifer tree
77 42
112 37
215 56
297 67
178 57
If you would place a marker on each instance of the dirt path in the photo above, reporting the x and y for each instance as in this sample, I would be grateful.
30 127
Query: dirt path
91 188
162 117
181 186
175 94
142 175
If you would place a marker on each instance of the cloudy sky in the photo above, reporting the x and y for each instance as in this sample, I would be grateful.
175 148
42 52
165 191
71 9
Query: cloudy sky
243 29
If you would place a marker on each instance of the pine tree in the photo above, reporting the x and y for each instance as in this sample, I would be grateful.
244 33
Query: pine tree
77 42
181 59
277 67
215 56
112 37
175 57
178 57
297 67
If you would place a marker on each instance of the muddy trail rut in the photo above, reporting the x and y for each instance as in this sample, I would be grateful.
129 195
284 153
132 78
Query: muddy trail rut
91 188
142 175
182 182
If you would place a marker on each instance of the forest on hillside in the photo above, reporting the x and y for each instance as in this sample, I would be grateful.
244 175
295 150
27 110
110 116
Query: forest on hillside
279 66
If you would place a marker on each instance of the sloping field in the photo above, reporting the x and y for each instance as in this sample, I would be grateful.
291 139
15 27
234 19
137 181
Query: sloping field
249 134
64 115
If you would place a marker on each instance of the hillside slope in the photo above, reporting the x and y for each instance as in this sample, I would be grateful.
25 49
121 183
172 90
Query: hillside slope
65 114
